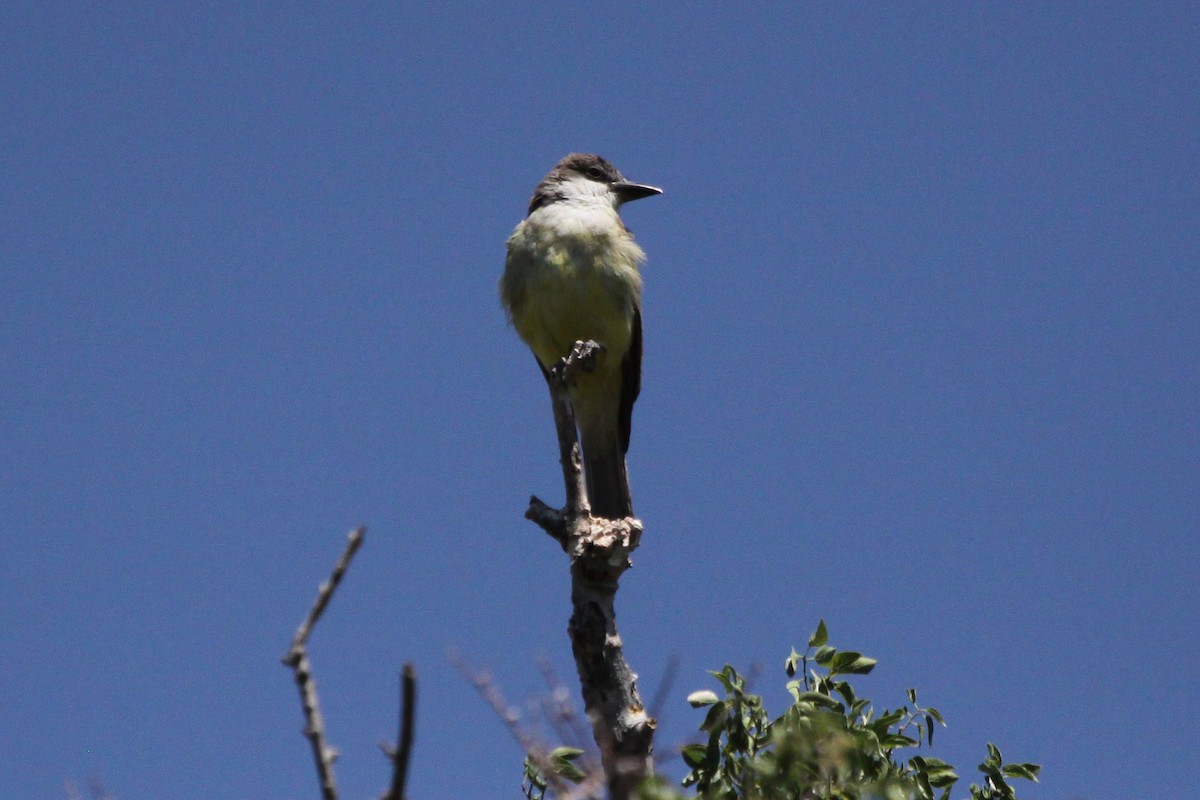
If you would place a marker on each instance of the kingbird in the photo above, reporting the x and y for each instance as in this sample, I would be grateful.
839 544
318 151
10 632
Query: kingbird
572 275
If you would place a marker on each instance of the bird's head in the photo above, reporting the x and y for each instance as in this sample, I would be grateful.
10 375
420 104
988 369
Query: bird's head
586 177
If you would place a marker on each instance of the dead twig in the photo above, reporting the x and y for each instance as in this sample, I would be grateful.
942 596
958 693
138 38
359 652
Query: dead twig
399 757
297 659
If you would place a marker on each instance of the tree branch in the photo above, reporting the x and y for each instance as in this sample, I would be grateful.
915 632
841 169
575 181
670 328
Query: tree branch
408 709
599 551
297 659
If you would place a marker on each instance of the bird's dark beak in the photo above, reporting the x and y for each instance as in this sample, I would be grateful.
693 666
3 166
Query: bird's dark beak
627 191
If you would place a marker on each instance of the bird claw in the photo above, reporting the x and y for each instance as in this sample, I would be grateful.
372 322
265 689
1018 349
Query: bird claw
583 356
586 354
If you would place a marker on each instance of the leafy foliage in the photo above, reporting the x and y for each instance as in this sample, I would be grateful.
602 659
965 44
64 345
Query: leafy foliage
560 762
829 745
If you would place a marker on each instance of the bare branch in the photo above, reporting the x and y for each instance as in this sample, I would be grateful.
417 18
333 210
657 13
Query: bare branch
297 659
408 710
551 520
325 590
599 551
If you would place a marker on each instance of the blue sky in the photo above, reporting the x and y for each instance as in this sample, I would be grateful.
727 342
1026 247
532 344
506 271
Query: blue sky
922 322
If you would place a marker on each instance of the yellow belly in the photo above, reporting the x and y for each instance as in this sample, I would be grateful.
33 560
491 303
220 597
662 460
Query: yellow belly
573 289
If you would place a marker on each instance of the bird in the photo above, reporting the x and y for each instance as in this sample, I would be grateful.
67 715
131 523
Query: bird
572 274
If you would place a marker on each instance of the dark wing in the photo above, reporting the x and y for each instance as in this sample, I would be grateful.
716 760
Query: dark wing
631 380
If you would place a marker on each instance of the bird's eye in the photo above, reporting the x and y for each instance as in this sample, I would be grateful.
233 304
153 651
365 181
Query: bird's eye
594 172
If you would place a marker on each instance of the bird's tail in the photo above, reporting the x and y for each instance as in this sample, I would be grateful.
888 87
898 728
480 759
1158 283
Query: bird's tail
607 481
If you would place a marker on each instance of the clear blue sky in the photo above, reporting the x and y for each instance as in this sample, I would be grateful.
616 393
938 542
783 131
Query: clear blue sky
922 325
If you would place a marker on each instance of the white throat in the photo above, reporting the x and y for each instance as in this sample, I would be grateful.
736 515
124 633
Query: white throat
583 206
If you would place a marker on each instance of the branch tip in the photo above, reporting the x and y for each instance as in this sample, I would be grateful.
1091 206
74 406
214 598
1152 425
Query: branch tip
296 658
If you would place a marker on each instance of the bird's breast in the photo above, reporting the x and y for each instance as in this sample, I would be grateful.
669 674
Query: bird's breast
562 288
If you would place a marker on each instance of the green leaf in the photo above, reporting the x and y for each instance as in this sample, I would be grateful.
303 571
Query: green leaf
940 773
694 755
726 676
847 692
824 656
561 758
850 663
712 753
566 753
790 664
887 720
714 718
704 697
943 779
818 699
564 768
820 636
569 772
929 728
1026 771
894 740
923 785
